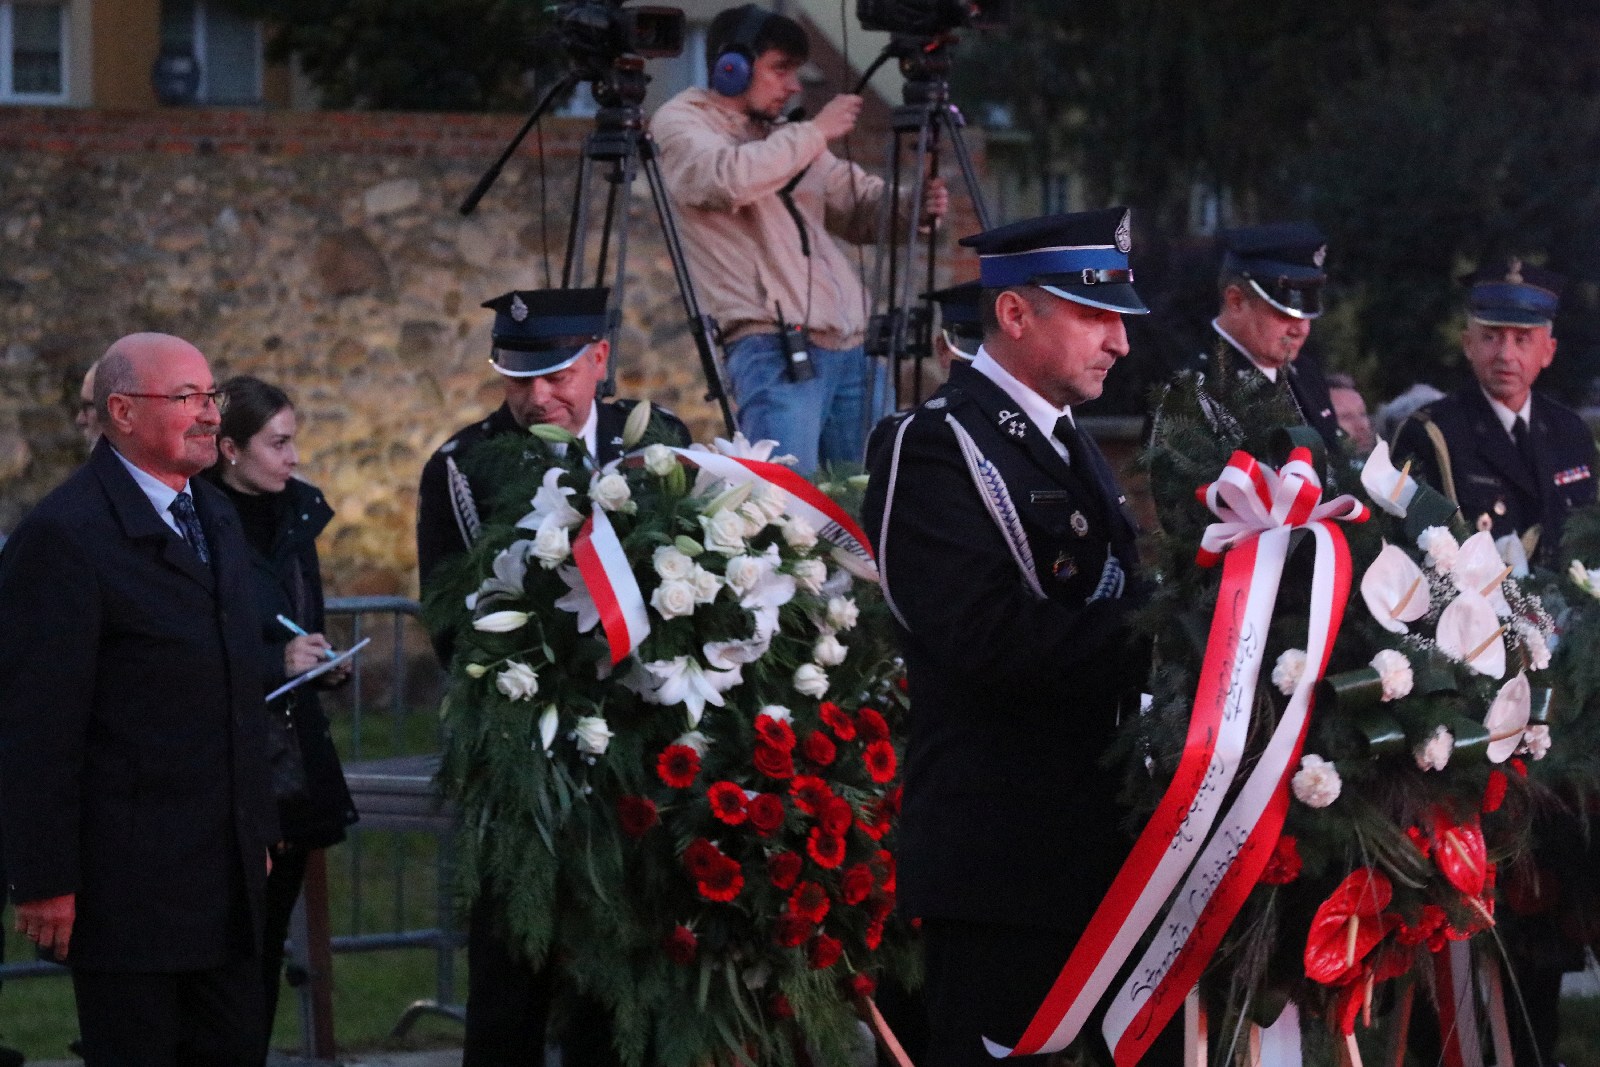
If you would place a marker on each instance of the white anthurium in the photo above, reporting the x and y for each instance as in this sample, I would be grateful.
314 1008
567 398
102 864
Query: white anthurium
1470 632
551 502
577 599
1508 718
549 722
501 622
1395 590
1515 554
731 655
1389 488
681 680
1479 569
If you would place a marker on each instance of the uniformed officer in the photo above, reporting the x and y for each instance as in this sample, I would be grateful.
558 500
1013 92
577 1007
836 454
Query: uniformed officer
960 323
1514 460
550 350
1008 560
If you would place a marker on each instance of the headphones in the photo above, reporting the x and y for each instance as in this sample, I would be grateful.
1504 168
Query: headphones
730 74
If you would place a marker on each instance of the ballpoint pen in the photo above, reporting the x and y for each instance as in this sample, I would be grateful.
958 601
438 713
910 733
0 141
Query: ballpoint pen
299 631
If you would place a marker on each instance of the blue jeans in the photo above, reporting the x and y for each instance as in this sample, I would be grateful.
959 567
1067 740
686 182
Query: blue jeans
823 420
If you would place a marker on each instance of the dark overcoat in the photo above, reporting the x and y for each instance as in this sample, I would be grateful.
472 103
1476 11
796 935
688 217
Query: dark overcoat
132 760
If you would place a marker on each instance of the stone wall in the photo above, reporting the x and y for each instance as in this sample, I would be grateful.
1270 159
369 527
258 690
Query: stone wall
321 251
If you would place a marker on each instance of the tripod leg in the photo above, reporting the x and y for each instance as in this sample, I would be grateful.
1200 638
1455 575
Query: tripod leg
578 227
969 175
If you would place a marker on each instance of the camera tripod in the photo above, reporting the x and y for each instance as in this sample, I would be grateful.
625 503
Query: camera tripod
619 141
901 328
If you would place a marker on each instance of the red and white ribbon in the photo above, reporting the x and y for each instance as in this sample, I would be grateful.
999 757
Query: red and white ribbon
1458 1006
1259 508
610 581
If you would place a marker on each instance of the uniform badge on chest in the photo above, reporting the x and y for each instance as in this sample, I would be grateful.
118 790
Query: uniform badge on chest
1065 568
1079 524
1572 474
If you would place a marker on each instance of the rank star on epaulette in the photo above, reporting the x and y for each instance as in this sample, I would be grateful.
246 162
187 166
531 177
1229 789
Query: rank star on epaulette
1013 423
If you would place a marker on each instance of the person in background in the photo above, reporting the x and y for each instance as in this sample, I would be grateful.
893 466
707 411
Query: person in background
87 419
1398 410
282 516
1351 409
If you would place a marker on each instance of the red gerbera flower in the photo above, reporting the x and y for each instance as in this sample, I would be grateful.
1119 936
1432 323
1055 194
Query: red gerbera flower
883 866
783 868
809 901
872 725
1494 793
825 848
766 813
823 952
723 883
677 766
835 816
727 803
680 945
880 761
701 858
1283 866
874 935
773 761
892 801
862 985
810 793
775 732
791 930
636 815
843 727
818 750
856 884
880 906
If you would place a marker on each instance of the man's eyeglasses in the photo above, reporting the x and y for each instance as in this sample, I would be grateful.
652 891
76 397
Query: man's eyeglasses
193 403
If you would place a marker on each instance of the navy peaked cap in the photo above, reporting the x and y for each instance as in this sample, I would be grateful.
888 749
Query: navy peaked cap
1283 262
1082 257
1511 293
541 331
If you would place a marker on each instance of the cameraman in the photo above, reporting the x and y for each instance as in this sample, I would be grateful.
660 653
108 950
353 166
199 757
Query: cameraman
757 198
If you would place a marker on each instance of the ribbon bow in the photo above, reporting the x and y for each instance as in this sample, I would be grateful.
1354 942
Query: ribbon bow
1251 498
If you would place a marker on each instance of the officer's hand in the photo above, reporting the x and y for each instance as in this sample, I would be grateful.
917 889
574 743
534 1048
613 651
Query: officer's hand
303 653
48 923
838 116
935 200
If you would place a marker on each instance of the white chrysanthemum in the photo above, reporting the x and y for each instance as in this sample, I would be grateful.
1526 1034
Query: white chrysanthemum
811 680
1394 671
1439 548
1536 741
1289 669
1434 753
1316 784
518 681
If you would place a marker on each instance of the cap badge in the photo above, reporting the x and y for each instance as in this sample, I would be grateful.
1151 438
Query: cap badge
1319 255
1514 271
519 310
1124 235
1079 524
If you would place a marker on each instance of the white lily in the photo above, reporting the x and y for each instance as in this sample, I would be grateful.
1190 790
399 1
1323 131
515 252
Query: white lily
1395 590
551 501
681 680
548 723
577 599
510 571
501 622
1508 718
731 655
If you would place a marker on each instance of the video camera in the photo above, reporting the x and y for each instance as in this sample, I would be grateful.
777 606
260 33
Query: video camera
597 33
931 18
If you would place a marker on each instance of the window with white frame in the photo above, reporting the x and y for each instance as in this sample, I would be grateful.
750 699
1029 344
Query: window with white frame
227 47
33 51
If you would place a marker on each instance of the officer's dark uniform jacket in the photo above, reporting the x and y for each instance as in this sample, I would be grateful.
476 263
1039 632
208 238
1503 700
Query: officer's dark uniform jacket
1307 386
1460 447
1017 670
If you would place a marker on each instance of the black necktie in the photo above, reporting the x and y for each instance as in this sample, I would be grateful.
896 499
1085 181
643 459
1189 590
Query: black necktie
182 508
1066 432
1519 434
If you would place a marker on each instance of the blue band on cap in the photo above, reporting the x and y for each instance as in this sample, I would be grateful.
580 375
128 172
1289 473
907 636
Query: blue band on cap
1020 268
1510 295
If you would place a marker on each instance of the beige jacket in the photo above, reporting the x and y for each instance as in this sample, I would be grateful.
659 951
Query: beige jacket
723 173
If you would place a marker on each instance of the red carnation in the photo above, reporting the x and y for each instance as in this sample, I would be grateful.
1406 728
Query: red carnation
779 1007
727 803
1283 866
809 901
791 931
843 727
874 935
1517 764
857 883
766 813
775 732
636 815
880 761
810 793
872 725
817 749
680 945
825 848
772 761
863 985
677 766
836 816
783 868
701 858
723 883
823 952
1494 793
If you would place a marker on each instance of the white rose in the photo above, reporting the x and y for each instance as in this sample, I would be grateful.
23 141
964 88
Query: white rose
799 535
706 585
1316 784
811 680
672 564
611 492
828 652
810 574
842 613
1439 547
696 740
1394 671
659 460
724 532
1536 741
673 599
1434 753
551 544
743 573
518 681
1286 673
776 711
501 622
594 736
771 500
754 516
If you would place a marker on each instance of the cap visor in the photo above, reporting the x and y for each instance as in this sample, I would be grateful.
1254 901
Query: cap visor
1119 298
518 363
1292 312
1508 317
